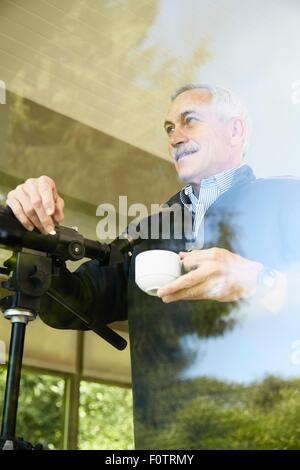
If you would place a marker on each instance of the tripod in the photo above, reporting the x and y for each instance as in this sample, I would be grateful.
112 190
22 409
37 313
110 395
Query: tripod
36 259
19 319
31 278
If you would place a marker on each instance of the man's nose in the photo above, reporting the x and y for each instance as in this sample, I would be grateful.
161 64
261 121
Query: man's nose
178 137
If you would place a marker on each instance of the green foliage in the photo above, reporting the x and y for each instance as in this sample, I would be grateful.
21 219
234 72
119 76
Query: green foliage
105 417
212 414
105 413
40 411
220 415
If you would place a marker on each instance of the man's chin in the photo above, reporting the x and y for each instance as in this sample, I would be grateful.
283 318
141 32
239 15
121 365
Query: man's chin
188 170
186 178
185 174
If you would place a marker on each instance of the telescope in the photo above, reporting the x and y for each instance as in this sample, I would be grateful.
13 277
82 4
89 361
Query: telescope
36 259
66 243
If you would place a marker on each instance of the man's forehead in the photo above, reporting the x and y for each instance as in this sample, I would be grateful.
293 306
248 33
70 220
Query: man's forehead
188 100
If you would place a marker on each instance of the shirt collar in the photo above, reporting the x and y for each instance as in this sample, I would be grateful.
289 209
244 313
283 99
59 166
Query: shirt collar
222 181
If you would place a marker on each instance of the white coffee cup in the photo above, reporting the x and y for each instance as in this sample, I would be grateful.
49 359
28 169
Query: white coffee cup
156 268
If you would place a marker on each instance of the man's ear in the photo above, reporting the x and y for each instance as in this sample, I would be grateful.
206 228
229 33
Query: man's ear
237 131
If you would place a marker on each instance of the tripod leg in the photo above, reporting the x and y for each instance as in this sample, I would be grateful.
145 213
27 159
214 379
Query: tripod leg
11 396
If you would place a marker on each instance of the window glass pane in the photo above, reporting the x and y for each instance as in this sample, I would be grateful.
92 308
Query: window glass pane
40 418
105 417
206 373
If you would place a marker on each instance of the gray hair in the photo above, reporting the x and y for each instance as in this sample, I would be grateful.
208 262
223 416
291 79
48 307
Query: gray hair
226 103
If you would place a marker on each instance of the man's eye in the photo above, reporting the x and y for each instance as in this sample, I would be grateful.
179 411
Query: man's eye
169 130
189 119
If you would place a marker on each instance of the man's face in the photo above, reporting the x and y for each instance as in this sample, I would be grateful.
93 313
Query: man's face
199 142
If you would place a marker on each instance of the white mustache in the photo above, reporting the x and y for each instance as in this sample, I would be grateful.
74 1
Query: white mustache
185 149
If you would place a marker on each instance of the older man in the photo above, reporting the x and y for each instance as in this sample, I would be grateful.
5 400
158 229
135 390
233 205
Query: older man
208 132
245 244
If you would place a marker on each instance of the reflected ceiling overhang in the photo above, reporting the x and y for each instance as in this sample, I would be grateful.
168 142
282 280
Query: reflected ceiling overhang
105 64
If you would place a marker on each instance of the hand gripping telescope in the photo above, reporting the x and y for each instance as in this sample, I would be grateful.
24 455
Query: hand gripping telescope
36 258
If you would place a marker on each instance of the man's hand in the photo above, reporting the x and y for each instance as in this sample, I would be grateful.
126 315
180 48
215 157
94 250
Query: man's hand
213 274
36 203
